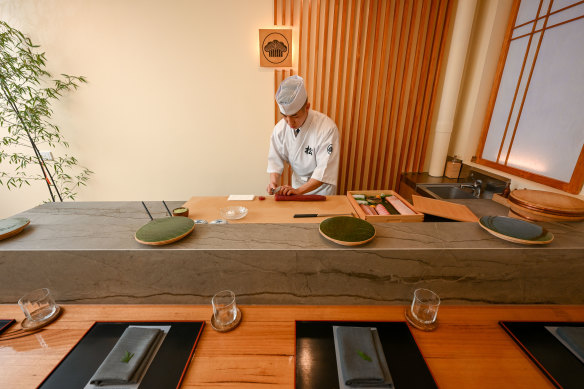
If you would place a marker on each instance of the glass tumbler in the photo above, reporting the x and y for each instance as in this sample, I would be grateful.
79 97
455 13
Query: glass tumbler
224 307
38 305
425 306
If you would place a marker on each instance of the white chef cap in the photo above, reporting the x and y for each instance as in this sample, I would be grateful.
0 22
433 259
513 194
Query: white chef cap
291 95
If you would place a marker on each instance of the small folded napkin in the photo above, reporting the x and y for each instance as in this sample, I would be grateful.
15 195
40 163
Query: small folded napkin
120 367
361 358
240 197
574 337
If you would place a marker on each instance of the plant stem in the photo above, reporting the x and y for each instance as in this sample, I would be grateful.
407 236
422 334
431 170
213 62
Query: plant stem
39 157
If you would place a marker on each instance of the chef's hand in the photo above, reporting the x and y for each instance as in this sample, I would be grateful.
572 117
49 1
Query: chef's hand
271 186
274 179
287 190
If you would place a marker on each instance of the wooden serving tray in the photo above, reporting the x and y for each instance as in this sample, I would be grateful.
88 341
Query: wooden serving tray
548 202
418 217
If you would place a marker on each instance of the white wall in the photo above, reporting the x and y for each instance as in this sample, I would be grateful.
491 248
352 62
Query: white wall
176 104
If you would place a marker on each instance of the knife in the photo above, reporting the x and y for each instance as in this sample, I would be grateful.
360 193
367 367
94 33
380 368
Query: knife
322 214
276 190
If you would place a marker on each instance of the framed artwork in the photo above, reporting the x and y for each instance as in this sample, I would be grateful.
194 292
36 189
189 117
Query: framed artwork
276 48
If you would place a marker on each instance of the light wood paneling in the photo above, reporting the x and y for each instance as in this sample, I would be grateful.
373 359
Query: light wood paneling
372 66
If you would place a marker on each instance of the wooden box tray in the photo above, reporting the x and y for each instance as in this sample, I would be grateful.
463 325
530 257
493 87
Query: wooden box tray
418 217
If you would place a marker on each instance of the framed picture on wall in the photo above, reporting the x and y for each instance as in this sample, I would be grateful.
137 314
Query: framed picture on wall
276 48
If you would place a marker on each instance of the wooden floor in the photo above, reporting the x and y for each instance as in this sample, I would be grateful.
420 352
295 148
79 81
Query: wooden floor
468 350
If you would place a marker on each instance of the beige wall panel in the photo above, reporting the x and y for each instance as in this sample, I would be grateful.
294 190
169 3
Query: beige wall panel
176 103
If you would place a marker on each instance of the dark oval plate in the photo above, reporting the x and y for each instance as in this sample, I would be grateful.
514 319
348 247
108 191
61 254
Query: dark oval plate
12 226
165 230
515 230
347 230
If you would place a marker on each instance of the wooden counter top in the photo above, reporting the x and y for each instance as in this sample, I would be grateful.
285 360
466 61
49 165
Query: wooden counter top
268 210
468 350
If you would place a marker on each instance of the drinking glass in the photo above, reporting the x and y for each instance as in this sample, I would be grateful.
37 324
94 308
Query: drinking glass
224 307
38 305
425 306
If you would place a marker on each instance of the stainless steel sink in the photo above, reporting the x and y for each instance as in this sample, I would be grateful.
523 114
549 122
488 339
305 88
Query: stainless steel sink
452 191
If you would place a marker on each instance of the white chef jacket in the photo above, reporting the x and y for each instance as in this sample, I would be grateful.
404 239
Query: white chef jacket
312 153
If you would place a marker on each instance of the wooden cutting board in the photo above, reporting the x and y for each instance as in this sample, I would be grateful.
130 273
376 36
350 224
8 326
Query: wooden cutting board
444 209
268 210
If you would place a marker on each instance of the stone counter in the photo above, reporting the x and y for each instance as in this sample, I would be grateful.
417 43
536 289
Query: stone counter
86 253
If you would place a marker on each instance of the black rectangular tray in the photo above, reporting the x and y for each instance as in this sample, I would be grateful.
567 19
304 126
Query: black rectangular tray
558 363
316 366
5 323
167 368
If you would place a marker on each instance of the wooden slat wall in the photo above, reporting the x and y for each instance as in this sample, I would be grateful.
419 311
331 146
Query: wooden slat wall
372 66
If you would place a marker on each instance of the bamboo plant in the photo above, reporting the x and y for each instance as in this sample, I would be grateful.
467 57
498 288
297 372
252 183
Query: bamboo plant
27 90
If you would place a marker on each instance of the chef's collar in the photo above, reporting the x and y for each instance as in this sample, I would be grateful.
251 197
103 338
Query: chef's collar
304 125
307 121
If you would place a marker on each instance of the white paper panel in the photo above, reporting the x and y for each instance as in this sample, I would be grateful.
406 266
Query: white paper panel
551 131
527 11
520 95
540 24
505 94
568 14
544 6
522 30
559 4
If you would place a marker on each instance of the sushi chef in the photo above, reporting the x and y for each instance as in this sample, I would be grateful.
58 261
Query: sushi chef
308 140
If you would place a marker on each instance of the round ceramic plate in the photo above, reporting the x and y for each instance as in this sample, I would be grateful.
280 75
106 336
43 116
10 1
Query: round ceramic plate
515 230
347 230
165 230
12 226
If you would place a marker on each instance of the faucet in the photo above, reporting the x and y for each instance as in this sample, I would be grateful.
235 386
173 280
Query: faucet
475 186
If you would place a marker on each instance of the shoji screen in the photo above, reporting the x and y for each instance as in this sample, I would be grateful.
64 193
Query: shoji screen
534 128
373 67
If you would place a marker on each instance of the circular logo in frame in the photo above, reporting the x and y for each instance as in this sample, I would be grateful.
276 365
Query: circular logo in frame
275 48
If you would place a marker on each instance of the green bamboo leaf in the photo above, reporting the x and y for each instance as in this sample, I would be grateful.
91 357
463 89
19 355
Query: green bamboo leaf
127 356
364 356
25 111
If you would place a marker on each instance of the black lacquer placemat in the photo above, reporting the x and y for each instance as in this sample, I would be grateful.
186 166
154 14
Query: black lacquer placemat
166 370
316 366
5 323
558 363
